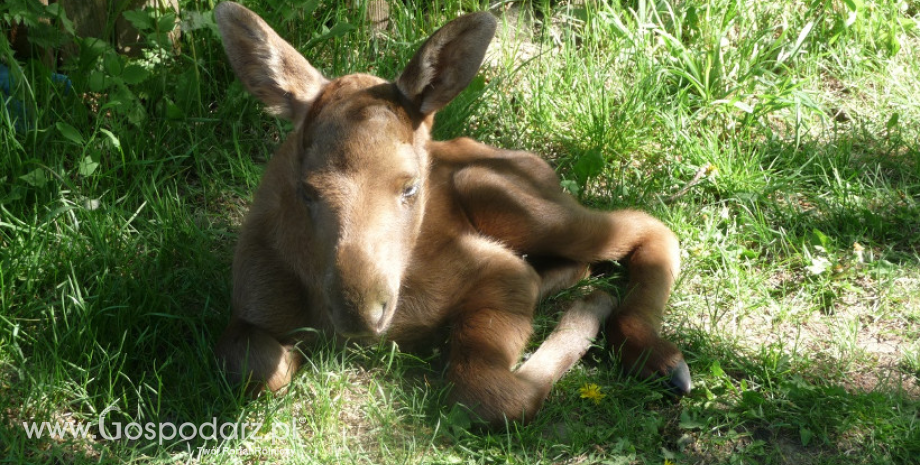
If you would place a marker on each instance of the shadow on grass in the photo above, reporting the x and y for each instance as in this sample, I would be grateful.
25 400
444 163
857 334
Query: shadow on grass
858 186
773 406
852 184
118 341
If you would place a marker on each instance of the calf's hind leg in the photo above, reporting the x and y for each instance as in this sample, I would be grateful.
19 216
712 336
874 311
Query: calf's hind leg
653 259
491 328
527 211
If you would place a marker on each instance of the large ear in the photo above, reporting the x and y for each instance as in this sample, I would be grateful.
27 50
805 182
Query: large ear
267 65
447 62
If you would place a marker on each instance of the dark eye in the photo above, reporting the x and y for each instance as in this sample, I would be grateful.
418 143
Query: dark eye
306 194
410 191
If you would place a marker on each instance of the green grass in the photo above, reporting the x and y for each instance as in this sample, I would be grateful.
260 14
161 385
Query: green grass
798 308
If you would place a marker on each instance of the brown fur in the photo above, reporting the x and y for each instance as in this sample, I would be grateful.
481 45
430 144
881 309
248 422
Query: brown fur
365 228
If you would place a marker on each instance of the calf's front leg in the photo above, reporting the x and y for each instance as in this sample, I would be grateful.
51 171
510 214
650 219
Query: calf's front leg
255 358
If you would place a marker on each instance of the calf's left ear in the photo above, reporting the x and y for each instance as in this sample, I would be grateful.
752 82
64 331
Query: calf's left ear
447 62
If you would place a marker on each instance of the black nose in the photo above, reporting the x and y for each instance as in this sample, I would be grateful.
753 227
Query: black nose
677 382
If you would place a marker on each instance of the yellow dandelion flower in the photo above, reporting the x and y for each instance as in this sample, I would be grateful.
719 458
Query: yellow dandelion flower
593 392
668 462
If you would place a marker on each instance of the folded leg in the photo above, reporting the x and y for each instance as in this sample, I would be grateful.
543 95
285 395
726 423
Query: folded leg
518 201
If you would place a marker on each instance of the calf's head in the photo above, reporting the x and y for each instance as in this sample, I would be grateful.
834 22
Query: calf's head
358 155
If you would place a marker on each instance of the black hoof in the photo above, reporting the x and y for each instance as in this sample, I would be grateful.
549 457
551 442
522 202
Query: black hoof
677 381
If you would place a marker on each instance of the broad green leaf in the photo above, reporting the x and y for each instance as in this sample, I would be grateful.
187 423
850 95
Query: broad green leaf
87 166
339 30
15 194
112 63
69 132
126 103
459 419
691 19
36 177
167 22
806 436
752 397
92 48
134 74
57 11
173 111
570 186
822 238
140 19
688 422
716 369
854 5
97 81
194 21
589 165
136 113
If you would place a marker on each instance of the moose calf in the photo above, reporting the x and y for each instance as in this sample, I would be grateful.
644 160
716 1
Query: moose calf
365 228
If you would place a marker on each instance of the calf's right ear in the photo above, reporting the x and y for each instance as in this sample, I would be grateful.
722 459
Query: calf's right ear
269 67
